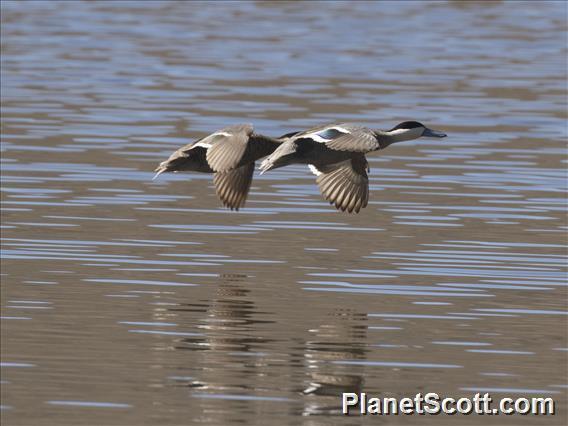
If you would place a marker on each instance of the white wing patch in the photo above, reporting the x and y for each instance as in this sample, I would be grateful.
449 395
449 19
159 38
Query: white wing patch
340 129
205 142
202 144
317 138
314 169
320 136
328 167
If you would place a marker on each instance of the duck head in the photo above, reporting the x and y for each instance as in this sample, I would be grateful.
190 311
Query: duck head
409 130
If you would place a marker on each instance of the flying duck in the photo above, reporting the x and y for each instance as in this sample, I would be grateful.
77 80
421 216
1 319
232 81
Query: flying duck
230 154
335 153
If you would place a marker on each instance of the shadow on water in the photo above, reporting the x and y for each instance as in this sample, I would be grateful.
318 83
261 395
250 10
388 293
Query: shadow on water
233 338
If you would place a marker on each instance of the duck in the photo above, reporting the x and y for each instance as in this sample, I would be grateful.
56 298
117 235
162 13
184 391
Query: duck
230 154
335 153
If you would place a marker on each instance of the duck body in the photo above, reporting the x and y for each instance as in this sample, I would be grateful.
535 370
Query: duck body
324 145
336 152
230 154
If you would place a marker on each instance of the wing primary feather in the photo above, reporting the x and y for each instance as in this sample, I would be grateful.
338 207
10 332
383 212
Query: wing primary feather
345 185
232 187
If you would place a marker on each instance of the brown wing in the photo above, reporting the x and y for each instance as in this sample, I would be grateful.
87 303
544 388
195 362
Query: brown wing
232 187
193 156
360 139
234 146
341 137
345 184
227 147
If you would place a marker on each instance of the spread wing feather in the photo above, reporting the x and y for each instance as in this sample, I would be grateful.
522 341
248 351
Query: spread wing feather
228 147
359 140
232 187
345 184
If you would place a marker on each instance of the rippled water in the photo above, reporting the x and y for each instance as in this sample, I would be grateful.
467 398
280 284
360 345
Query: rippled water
131 301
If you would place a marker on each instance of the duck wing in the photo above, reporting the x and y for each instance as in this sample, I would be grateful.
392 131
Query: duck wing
344 184
235 146
195 155
232 186
343 137
227 147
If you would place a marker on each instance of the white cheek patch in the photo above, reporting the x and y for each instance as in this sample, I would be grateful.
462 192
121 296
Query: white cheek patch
408 134
417 132
314 169
398 132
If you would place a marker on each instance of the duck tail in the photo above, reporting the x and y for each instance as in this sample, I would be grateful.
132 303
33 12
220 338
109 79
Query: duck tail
282 156
159 171
266 165
163 167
